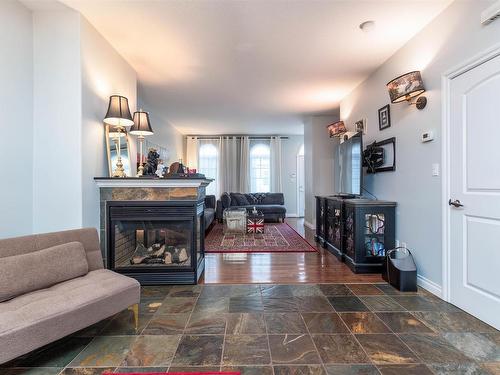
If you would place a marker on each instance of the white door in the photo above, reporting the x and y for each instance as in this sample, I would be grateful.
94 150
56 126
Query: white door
300 185
475 184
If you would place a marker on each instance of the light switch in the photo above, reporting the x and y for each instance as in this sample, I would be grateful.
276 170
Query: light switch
435 169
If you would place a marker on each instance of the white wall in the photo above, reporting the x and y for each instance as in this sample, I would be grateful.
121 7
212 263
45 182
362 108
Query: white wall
289 149
104 73
165 135
319 166
73 71
16 107
57 160
453 37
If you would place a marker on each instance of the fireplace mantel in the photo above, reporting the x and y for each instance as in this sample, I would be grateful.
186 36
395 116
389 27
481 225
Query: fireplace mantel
134 182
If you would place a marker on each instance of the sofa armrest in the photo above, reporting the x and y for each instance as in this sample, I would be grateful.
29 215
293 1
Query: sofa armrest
218 210
210 201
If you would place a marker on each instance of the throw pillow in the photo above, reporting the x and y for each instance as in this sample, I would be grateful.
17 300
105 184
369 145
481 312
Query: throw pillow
240 199
21 274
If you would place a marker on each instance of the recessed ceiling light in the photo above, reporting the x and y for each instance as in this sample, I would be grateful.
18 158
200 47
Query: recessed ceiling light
367 26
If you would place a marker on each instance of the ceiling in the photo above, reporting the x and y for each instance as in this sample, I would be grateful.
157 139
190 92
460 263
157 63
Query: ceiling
252 67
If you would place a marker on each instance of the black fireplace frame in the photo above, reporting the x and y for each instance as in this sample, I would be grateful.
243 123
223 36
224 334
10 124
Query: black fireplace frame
186 210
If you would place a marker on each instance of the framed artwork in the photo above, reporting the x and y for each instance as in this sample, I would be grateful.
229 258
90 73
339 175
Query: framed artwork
384 117
380 156
360 126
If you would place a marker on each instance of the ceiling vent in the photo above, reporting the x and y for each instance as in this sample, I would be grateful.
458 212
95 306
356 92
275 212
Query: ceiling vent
491 14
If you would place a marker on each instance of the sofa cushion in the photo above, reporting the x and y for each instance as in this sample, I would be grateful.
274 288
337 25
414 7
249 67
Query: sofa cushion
209 216
238 199
273 198
43 316
226 200
268 208
20 274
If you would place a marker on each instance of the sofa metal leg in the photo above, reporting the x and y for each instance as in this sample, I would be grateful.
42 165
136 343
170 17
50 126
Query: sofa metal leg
135 310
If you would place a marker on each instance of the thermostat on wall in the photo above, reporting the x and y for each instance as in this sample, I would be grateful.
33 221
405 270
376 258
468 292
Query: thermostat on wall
427 136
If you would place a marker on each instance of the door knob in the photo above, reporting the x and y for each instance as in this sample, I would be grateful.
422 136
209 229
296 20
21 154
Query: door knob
456 203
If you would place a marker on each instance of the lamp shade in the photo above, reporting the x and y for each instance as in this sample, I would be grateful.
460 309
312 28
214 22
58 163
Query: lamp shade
405 87
142 125
336 129
118 112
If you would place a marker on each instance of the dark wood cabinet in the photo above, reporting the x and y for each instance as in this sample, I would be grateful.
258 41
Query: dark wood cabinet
356 231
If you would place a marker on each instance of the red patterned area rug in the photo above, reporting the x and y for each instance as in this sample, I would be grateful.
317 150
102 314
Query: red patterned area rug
277 238
174 373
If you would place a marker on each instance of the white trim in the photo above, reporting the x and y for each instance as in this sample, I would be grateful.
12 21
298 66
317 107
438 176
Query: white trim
297 182
292 215
309 225
125 182
446 78
430 286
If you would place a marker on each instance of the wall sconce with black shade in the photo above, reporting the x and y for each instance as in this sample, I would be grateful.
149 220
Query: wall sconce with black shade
336 129
141 128
406 87
119 117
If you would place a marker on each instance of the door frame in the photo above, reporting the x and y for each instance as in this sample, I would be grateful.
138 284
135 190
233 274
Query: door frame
446 79
297 183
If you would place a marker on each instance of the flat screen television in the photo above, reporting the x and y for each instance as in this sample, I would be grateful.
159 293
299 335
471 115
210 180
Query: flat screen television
349 166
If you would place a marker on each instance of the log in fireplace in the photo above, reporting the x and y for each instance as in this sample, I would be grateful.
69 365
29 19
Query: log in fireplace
156 242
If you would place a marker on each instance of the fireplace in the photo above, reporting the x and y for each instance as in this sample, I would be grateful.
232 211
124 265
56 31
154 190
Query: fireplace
156 242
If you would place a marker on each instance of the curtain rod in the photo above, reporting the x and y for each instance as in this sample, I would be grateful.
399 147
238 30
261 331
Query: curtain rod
235 136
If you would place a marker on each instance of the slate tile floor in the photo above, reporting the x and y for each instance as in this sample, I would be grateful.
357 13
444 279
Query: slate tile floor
308 329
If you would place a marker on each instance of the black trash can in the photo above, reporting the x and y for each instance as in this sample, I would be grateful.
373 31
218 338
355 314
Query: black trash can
400 270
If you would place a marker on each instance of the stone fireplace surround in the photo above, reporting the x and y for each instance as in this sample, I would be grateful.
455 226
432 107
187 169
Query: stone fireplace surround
171 199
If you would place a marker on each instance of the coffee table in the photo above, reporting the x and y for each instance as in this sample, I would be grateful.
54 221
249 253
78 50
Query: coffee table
235 220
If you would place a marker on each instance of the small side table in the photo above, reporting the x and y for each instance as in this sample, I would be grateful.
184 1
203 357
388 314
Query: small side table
235 220
255 222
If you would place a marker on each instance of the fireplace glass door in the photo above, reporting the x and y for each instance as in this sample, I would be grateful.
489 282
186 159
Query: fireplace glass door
152 243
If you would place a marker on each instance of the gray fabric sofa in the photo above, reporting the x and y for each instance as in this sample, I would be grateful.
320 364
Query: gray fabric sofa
209 211
272 205
54 284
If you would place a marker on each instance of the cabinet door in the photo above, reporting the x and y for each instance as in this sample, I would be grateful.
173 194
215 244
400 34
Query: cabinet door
321 217
349 247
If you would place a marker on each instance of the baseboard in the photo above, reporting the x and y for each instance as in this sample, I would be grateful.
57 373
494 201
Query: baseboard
292 215
309 225
430 286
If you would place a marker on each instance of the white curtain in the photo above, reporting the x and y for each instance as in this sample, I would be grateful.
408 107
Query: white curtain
276 181
244 169
192 145
229 164
208 163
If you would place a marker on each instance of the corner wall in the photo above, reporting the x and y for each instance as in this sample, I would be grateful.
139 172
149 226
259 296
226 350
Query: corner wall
318 158
452 38
75 72
104 73
57 111
16 107
290 149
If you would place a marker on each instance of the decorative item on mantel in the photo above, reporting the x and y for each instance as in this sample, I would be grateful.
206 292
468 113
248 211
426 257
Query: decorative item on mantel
337 129
118 116
152 162
141 128
406 87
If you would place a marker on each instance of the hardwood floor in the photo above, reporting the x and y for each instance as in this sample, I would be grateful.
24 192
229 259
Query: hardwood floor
289 268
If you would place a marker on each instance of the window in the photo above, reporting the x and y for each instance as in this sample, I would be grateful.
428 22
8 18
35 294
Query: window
208 165
260 168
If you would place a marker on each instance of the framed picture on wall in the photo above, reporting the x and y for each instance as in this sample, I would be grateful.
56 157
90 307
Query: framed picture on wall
360 126
384 117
